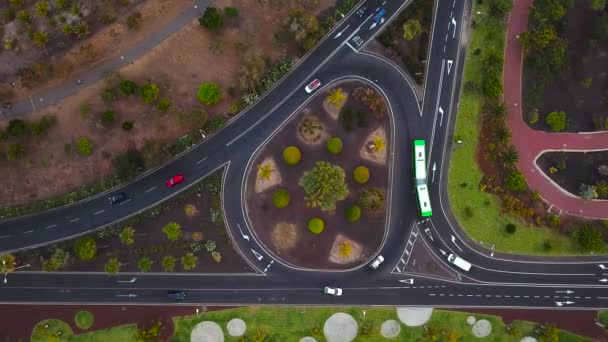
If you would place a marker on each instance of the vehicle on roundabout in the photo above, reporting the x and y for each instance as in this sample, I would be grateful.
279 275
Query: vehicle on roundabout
173 181
459 262
332 291
312 86
377 262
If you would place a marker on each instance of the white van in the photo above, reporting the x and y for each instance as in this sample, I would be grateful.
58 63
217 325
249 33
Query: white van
459 262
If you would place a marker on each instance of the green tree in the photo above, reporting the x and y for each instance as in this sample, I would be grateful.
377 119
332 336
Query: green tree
17 128
168 263
24 17
164 104
149 92
15 151
107 117
372 199
62 4
128 87
412 29
495 110
361 174
334 145
589 239
173 230
501 134
84 146
211 19
316 225
557 121
127 235
144 264
598 5
492 85
42 8
499 8
112 266
85 248
231 12
209 93
509 157
292 155
352 213
602 188
57 260
150 334
324 185
41 38
189 261
515 181
8 262
493 61
281 198
134 21
335 97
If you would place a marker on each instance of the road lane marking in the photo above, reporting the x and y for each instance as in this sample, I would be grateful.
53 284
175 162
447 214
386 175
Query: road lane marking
200 161
4 236
125 201
350 46
51 226
152 188
74 220
28 232
98 212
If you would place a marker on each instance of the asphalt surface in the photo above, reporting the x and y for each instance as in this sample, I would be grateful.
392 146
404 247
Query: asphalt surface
494 280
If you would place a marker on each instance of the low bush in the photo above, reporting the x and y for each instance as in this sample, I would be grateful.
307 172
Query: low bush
84 146
211 19
334 145
361 174
128 87
510 228
231 12
17 128
85 248
209 93
15 151
316 225
352 213
556 121
127 125
107 117
515 181
281 198
292 155
164 104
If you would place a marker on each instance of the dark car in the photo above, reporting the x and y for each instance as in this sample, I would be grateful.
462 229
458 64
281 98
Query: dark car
361 11
176 295
118 198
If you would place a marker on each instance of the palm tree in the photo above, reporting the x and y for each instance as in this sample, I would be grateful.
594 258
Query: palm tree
378 144
335 96
430 334
451 336
493 61
509 157
265 170
345 249
310 126
495 109
502 134
602 188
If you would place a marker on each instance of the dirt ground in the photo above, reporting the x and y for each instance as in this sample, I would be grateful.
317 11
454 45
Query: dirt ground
48 170
151 241
313 250
586 108
570 170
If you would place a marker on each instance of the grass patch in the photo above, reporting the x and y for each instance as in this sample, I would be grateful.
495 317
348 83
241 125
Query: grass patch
291 324
84 319
602 316
124 333
60 331
483 220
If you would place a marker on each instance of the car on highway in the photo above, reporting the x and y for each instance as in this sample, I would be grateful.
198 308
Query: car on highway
312 86
173 181
332 291
377 262
117 198
379 17
459 262
176 295
362 11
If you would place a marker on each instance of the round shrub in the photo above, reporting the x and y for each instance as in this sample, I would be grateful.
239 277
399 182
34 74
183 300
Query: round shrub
84 146
510 228
334 145
361 174
292 155
281 198
316 225
85 248
353 213
84 319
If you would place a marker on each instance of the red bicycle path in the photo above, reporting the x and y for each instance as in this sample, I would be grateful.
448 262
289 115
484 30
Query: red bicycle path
531 143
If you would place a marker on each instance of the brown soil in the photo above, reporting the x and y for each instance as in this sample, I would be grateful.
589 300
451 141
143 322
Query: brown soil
48 170
314 250
284 236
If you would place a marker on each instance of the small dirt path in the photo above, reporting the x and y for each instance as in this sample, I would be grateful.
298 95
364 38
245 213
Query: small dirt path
531 143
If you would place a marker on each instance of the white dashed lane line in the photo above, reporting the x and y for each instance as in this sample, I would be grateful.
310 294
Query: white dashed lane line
98 212
200 161
125 201
74 220
51 226
152 188
4 236
28 231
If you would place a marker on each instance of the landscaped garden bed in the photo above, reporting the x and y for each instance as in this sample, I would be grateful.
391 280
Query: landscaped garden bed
185 234
583 174
565 69
316 192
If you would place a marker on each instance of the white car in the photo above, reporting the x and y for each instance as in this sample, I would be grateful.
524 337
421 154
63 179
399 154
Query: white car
312 86
376 263
333 291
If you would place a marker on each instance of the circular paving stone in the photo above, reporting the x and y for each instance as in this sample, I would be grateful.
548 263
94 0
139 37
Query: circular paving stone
390 329
471 320
528 339
482 328
414 317
308 339
207 331
236 327
340 327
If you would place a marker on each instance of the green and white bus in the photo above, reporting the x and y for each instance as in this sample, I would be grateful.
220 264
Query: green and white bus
422 191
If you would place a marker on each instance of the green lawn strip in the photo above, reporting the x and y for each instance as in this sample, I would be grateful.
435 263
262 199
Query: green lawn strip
602 316
293 323
122 333
487 223
84 319
55 326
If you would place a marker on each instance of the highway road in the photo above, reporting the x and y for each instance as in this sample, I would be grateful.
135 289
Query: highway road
495 279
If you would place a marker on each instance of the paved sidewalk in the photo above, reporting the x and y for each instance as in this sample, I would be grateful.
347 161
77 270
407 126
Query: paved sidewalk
531 143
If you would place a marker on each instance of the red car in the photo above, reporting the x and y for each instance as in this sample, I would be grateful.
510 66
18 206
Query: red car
179 178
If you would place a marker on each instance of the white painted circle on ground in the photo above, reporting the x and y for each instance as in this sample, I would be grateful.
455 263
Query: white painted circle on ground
236 327
471 320
207 331
528 339
308 339
390 329
482 328
414 317
340 327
